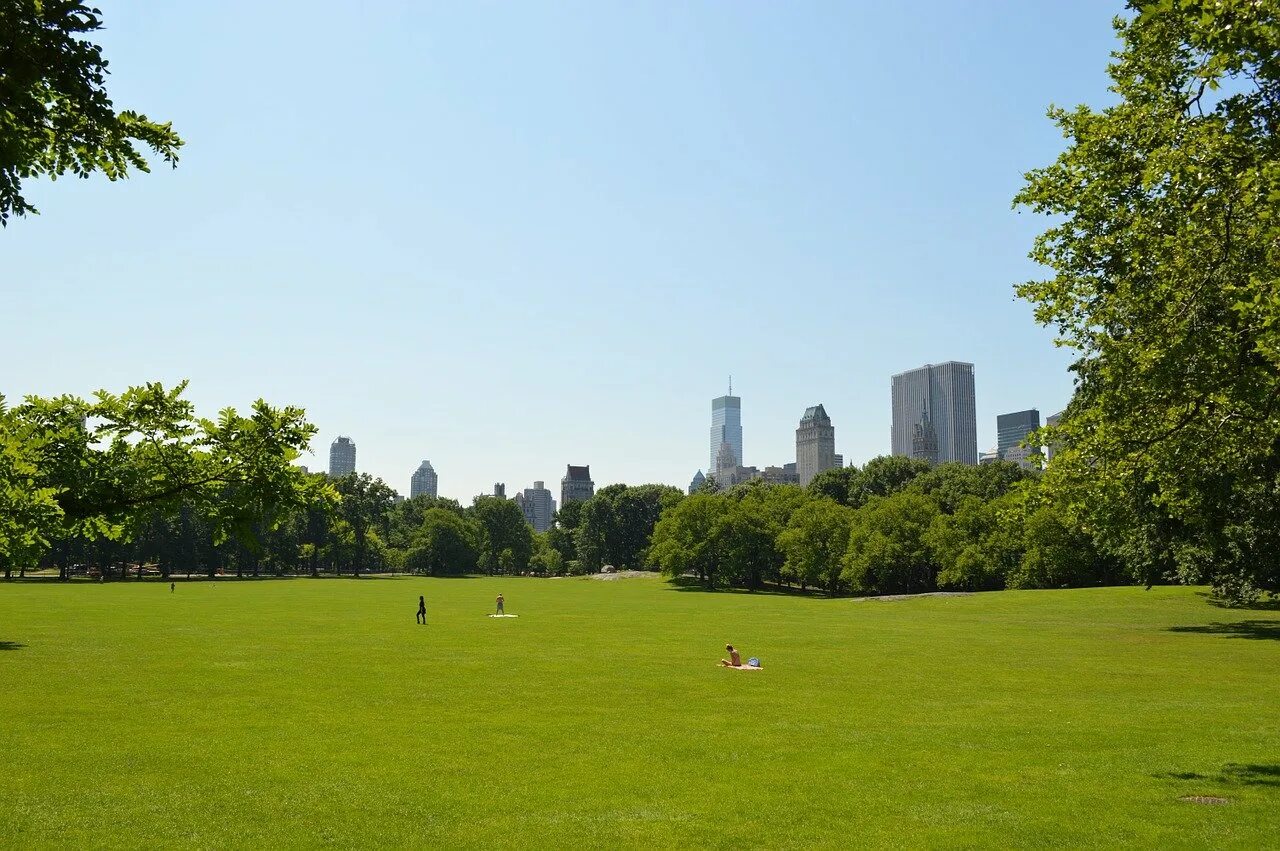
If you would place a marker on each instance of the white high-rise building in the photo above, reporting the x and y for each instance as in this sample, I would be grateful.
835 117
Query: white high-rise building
538 505
342 457
425 482
945 391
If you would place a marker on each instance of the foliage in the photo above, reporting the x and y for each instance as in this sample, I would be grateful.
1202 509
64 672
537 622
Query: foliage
881 476
951 483
814 543
506 539
888 552
1164 256
546 559
615 526
57 117
442 545
687 538
835 484
365 505
111 464
978 546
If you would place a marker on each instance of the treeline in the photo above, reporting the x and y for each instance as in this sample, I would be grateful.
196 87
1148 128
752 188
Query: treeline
364 528
896 525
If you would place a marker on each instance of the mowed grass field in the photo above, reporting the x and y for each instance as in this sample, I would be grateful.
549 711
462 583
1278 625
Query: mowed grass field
316 712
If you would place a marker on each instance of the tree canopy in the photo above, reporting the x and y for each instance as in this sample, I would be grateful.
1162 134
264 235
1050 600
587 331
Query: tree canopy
55 115
1164 257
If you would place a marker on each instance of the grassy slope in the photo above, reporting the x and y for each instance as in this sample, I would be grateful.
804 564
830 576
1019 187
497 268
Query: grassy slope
306 711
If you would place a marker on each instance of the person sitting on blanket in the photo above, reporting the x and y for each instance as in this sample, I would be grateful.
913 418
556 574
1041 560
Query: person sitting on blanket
734 660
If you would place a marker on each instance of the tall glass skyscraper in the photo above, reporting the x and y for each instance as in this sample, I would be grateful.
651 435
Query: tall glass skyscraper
1012 429
726 427
946 391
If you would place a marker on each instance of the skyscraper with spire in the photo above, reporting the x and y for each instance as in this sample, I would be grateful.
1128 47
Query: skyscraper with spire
726 426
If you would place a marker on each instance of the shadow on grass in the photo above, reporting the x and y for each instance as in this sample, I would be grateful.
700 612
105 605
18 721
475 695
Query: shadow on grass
1233 773
685 583
1257 630
1269 605
11 645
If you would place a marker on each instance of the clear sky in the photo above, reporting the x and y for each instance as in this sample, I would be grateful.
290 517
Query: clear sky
506 237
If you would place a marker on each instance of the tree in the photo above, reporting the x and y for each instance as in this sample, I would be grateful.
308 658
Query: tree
365 503
978 546
884 476
756 515
814 543
887 551
29 511
111 463
442 545
506 540
57 117
949 484
546 559
687 539
1165 256
615 526
836 483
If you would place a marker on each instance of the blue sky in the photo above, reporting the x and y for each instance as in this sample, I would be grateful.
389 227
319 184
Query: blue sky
506 237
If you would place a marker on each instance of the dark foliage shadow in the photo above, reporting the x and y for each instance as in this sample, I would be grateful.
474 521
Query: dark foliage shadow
11 645
1269 605
687 583
1233 773
1259 630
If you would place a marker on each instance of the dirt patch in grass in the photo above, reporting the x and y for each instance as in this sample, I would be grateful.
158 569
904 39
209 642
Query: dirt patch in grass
1211 800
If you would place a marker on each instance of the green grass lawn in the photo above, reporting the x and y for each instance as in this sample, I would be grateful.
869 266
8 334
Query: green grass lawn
308 712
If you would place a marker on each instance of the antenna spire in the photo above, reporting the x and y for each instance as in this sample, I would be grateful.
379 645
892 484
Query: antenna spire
730 385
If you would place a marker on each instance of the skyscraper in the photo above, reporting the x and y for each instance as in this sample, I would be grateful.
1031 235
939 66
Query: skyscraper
576 486
538 506
946 390
726 426
342 457
1052 448
815 444
424 481
1012 429
697 481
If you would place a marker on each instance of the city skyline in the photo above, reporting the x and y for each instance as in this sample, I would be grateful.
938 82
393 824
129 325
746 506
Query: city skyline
577 483
560 206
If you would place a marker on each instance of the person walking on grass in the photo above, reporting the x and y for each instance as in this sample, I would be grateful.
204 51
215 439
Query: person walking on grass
500 611
171 587
422 610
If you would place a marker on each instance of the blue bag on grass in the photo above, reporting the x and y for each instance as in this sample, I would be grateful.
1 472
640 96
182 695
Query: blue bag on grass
753 662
